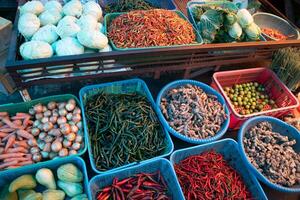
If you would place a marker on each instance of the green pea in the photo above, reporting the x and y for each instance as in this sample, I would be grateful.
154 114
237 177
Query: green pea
235 103
255 84
272 102
247 106
227 89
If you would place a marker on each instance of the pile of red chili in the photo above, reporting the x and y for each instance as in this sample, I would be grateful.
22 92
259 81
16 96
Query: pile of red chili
209 176
274 33
157 27
137 187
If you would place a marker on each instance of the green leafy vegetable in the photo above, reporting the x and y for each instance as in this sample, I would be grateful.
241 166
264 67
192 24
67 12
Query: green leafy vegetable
235 31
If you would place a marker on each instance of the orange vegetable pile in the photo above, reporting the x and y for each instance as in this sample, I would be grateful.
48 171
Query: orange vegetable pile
149 28
274 33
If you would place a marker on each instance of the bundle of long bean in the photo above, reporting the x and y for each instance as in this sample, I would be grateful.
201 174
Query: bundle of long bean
123 129
128 5
140 186
148 28
286 64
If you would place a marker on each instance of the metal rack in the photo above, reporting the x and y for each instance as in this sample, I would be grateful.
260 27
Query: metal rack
26 73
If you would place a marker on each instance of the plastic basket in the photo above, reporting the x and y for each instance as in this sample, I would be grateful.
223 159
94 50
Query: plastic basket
9 175
278 126
229 149
192 4
162 165
283 97
109 17
120 87
13 108
166 4
207 89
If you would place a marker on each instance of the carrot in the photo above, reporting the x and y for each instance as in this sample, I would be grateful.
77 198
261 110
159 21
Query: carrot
8 136
11 155
17 150
3 114
22 143
10 123
4 165
6 130
26 121
25 163
20 159
17 122
24 134
11 140
1 150
23 115
2 134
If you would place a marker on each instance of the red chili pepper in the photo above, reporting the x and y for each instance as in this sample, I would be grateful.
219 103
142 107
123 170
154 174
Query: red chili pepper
141 186
209 176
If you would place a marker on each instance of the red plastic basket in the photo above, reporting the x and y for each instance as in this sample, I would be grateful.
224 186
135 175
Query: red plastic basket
283 97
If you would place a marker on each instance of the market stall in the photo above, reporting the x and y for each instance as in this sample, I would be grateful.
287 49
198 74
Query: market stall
144 132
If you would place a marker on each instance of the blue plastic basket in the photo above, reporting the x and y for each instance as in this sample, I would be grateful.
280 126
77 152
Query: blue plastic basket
229 149
166 4
162 165
120 87
278 126
13 108
109 17
206 89
8 176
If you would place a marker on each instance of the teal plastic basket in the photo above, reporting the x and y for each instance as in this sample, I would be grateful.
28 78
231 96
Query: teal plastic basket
109 17
120 87
207 89
280 127
162 165
14 108
165 4
8 176
230 151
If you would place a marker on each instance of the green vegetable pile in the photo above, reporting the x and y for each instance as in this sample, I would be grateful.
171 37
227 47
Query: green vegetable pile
249 98
286 64
69 182
123 129
225 24
128 5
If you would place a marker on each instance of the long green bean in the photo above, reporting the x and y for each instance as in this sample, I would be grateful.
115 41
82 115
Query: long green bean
123 129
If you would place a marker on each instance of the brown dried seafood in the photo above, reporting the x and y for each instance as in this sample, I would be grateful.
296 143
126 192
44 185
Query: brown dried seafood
192 112
273 154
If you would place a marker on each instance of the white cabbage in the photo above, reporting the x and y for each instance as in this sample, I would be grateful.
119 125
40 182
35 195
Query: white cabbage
100 27
28 24
67 27
34 7
235 31
94 9
68 46
107 48
253 32
92 39
50 17
53 6
35 49
46 33
73 8
244 18
87 22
